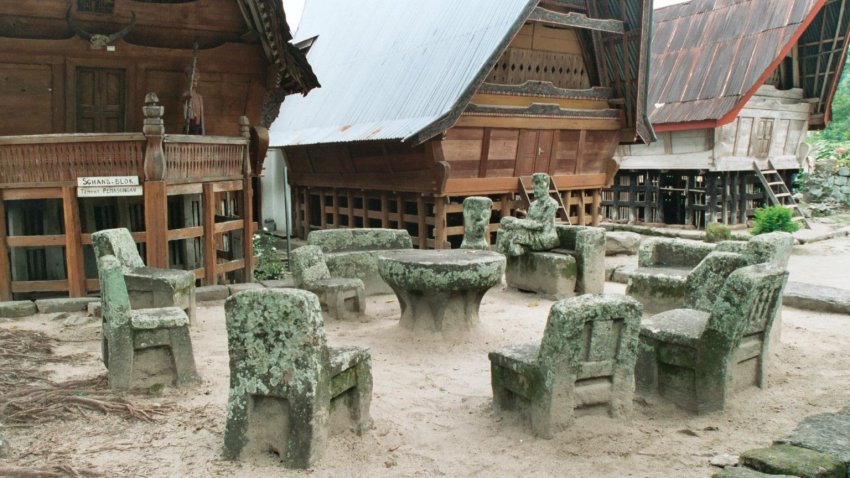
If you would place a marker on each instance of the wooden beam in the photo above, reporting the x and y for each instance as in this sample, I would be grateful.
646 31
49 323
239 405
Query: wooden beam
156 224
484 186
40 286
32 193
5 268
538 122
576 20
440 236
73 246
208 207
423 228
36 241
248 229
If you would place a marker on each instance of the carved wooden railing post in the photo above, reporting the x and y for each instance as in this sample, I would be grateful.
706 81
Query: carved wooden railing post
154 129
247 203
156 199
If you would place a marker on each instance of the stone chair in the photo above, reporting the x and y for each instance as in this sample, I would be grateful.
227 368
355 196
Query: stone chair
476 222
586 358
575 266
695 357
143 347
350 253
287 387
342 298
664 265
148 287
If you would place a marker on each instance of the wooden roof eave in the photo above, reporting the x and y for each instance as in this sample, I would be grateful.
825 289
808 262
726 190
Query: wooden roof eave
733 113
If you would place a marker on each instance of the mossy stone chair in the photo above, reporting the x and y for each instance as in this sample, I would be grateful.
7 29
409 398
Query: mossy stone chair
285 382
586 358
695 357
341 297
143 347
147 287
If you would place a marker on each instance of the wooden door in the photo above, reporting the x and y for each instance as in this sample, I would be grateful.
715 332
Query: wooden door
100 100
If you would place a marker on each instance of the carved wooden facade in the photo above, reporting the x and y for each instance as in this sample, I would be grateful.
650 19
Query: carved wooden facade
74 77
552 93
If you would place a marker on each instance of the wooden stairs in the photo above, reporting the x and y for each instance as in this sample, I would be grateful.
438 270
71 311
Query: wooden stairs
528 196
778 193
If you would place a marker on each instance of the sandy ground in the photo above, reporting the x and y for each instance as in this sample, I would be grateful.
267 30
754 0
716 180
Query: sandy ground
431 403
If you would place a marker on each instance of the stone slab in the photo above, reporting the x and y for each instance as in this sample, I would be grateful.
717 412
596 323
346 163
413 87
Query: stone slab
17 308
816 297
552 275
236 288
826 432
64 304
794 461
288 283
211 292
621 242
619 274
94 309
739 472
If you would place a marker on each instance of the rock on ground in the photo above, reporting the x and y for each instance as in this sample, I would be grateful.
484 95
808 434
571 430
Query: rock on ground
17 308
621 242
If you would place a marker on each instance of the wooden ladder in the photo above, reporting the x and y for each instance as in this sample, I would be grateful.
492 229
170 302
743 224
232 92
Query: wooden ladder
553 193
778 193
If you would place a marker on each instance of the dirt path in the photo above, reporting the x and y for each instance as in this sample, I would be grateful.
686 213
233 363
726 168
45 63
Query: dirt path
431 407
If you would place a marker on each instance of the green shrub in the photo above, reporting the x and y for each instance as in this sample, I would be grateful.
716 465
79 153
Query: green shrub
269 265
716 232
774 218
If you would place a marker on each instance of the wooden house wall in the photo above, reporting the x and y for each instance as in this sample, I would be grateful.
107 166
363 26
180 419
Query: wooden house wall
40 57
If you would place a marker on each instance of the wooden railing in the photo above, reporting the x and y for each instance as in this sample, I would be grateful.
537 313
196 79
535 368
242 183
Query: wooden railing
204 157
58 159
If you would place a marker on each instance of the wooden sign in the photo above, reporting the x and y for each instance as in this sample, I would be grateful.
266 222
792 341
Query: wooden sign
102 186
103 191
92 181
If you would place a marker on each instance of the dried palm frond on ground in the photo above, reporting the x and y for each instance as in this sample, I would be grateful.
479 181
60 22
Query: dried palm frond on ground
57 471
52 401
21 353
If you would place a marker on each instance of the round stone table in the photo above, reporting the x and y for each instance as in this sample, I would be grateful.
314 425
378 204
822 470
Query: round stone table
440 290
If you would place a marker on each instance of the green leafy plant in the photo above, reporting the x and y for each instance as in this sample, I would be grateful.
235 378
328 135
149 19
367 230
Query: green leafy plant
774 218
269 265
716 232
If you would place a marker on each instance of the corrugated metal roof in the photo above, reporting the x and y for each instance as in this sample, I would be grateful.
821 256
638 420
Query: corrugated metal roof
391 75
708 54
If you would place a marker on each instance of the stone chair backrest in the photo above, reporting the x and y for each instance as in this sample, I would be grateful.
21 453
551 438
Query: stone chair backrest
590 336
115 301
276 340
773 247
350 240
308 266
664 252
120 244
747 304
705 282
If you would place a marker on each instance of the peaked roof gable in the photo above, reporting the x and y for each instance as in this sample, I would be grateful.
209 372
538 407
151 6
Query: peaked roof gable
710 56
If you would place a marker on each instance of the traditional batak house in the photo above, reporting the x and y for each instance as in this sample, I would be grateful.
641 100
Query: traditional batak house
425 103
734 82
84 146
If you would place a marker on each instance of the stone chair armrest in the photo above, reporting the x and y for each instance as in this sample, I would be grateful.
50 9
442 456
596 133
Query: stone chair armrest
160 318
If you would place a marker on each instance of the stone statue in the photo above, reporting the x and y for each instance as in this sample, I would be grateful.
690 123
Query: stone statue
536 232
193 104
476 218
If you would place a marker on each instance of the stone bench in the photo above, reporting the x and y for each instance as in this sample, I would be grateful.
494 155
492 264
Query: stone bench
350 253
575 267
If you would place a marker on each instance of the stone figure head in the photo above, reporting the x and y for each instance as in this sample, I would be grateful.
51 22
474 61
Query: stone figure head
476 216
540 184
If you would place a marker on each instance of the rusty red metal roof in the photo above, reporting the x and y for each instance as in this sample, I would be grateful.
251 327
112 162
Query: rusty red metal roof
710 56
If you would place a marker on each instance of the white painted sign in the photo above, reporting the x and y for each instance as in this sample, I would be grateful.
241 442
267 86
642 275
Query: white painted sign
103 191
92 181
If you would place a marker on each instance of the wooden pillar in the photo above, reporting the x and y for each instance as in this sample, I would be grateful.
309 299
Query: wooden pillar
423 228
306 227
399 209
335 204
156 224
364 208
597 199
323 218
248 229
440 233
385 211
73 245
349 196
5 267
210 260
582 208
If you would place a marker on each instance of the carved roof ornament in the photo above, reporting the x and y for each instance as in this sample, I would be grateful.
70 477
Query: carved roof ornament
100 41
